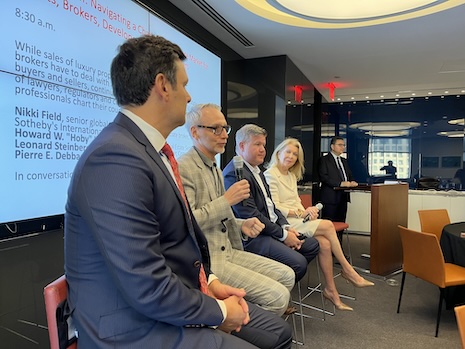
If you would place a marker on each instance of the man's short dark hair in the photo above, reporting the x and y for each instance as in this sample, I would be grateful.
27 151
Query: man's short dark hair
136 65
335 139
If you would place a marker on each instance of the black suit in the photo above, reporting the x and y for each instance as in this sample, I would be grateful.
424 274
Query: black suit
334 200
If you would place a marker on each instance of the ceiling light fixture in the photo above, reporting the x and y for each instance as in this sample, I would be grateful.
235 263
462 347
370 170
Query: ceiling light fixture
451 134
342 13
385 126
387 133
242 113
460 122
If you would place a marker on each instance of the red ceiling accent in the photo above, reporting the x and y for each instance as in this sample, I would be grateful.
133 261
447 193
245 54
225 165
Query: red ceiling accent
298 93
331 87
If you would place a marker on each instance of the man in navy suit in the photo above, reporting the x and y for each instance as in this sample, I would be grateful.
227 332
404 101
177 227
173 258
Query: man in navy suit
136 262
335 174
277 240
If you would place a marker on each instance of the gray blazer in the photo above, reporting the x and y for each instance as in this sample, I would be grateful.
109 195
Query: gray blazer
213 213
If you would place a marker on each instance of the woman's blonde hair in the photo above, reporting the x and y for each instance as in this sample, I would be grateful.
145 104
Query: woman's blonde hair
298 168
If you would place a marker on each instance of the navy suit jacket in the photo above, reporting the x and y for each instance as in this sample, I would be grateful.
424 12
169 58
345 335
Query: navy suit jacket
132 249
255 205
330 177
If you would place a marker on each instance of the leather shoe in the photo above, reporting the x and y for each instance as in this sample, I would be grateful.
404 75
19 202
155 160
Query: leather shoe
290 310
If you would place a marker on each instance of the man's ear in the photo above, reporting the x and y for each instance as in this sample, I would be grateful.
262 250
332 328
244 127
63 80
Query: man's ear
161 85
241 146
193 130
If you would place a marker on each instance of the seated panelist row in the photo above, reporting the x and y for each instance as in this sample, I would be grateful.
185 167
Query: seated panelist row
278 201
266 282
136 261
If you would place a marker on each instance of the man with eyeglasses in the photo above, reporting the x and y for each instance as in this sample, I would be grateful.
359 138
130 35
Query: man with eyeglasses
334 174
267 282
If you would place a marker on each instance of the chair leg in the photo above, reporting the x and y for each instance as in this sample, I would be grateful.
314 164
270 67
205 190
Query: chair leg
302 305
441 297
295 340
401 290
317 288
346 232
354 297
301 311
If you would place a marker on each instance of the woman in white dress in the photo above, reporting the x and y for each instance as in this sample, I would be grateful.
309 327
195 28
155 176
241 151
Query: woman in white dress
286 167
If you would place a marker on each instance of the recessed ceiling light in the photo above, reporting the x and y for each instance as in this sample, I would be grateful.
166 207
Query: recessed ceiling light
385 126
451 134
387 133
430 93
242 113
238 92
327 130
460 122
325 14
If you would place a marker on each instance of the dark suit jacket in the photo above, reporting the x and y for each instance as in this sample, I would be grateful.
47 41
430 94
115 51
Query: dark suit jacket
132 253
330 177
255 205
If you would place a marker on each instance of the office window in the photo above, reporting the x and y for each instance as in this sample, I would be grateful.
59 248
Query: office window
382 150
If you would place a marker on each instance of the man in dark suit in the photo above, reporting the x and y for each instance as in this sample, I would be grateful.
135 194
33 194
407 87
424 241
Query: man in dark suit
277 240
334 174
136 262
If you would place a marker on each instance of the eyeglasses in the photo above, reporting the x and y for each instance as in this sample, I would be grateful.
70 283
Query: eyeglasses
340 144
217 130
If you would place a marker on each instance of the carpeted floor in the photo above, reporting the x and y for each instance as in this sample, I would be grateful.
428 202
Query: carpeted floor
374 322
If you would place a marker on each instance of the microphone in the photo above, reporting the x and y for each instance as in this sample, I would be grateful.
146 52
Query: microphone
238 167
238 163
319 206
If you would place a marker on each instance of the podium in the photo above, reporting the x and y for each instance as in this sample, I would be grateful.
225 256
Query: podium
389 208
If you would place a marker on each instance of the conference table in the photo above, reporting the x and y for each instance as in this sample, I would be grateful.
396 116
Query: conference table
453 249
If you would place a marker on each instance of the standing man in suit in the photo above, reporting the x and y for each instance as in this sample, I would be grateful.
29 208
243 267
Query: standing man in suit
335 173
136 262
266 281
278 240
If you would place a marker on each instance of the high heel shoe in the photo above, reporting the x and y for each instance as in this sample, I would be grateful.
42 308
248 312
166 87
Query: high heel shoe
359 284
340 306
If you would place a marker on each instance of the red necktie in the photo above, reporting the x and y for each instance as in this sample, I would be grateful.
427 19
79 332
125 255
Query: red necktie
174 166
